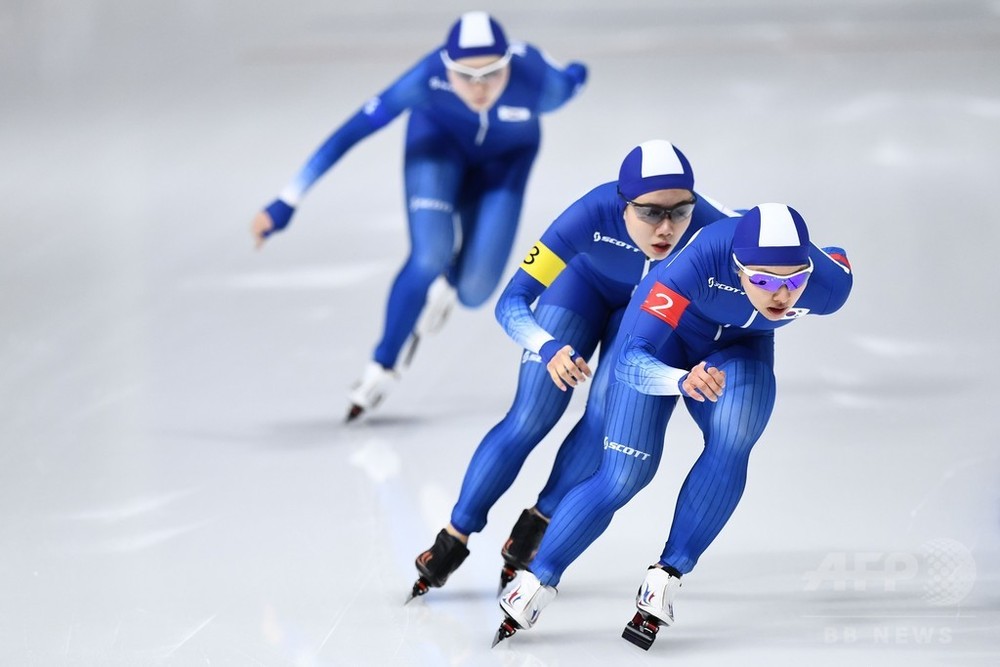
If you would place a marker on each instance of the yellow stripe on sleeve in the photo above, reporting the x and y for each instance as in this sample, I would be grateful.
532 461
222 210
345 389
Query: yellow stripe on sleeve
542 264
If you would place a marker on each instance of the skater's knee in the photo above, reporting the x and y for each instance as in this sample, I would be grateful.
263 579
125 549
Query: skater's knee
427 265
615 491
473 293
737 443
593 416
476 282
526 426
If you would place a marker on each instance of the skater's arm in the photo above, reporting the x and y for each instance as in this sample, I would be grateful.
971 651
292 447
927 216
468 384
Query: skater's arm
513 309
561 84
638 367
374 115
654 313
568 235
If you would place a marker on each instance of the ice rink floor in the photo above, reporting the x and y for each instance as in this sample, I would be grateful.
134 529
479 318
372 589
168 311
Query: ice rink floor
176 483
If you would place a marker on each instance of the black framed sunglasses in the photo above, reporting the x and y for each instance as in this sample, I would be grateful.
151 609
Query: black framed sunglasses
652 214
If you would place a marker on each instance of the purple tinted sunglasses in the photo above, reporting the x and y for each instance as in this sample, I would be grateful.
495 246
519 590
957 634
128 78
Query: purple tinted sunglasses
772 282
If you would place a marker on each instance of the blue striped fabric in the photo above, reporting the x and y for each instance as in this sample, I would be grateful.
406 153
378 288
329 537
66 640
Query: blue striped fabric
580 453
715 484
633 448
538 405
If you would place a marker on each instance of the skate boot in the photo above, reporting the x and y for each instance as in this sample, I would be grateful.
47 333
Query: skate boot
655 604
441 299
522 545
522 601
437 563
371 389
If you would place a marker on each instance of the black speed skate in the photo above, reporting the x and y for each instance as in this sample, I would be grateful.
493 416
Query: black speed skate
641 630
437 563
522 545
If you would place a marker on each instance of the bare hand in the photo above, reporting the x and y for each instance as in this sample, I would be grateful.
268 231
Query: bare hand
701 383
259 227
564 370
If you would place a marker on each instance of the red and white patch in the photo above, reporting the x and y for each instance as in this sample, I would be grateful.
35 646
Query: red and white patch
665 304
840 258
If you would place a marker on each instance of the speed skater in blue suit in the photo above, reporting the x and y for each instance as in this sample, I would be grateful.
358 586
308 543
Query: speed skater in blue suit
582 271
471 140
700 326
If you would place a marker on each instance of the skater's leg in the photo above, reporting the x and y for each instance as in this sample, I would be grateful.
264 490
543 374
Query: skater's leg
633 445
538 405
580 453
572 313
433 173
488 235
715 483
731 426
573 290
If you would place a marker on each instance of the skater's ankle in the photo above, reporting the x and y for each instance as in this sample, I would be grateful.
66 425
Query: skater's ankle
534 510
672 571
461 537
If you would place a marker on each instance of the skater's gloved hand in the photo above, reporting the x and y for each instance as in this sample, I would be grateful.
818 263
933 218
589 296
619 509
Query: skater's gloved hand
565 366
272 219
703 381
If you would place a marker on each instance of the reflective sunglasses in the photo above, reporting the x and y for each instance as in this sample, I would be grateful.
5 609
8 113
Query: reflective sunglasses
652 214
487 74
773 282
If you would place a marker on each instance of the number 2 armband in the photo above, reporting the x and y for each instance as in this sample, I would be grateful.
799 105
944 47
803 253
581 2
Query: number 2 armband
665 304
542 264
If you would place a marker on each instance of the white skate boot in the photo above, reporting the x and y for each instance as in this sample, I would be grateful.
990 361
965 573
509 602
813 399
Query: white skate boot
655 603
369 392
522 601
441 299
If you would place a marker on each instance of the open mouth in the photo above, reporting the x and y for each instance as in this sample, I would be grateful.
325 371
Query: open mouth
662 248
776 311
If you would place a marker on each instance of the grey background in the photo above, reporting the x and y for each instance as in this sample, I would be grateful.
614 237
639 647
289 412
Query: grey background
176 485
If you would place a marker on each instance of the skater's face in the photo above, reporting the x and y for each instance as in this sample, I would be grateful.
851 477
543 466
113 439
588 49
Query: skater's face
773 289
479 81
657 220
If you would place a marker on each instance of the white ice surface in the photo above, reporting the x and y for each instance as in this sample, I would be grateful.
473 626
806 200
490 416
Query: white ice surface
176 485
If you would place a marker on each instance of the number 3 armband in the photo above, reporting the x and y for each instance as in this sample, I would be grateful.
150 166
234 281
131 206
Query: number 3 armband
542 264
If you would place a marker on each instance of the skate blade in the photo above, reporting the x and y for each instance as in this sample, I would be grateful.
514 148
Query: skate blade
411 350
433 327
640 632
507 629
354 413
420 587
